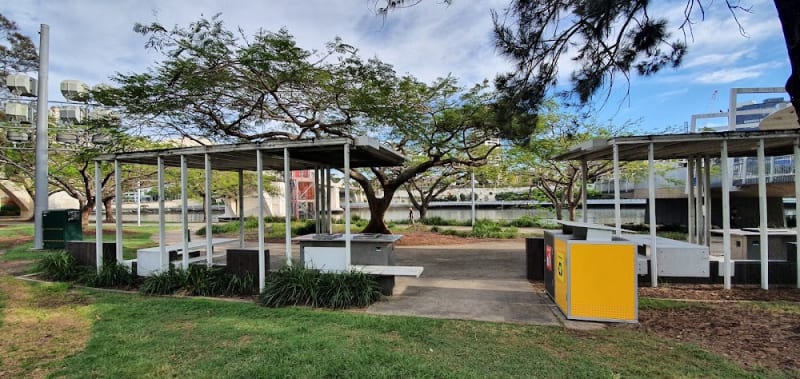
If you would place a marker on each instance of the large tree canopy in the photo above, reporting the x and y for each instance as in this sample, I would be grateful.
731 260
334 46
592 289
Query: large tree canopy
214 83
17 52
608 40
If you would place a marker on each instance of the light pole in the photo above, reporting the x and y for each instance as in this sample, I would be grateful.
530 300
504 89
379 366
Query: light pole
40 164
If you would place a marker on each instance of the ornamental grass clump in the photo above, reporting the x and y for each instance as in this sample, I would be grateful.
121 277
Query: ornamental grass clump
292 286
58 266
111 274
164 283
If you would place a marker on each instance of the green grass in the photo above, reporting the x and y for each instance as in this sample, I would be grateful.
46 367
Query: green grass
136 237
135 336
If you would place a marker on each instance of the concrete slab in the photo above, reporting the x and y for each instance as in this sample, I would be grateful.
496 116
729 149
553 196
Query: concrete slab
482 281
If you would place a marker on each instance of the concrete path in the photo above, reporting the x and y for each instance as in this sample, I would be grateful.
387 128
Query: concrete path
481 281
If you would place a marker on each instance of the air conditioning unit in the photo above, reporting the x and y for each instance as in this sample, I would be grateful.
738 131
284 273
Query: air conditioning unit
75 90
18 112
22 85
71 114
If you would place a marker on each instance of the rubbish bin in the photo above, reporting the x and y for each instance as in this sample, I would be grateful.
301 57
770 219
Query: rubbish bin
534 258
59 226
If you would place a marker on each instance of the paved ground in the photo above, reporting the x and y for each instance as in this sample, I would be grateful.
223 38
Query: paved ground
481 281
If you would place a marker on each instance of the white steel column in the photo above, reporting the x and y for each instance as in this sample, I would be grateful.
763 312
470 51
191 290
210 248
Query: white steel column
328 203
347 204
584 196
317 193
185 212
796 199
690 197
762 207
287 190
262 274
651 183
240 211
698 201
726 216
707 187
209 225
162 231
472 195
98 218
617 207
118 209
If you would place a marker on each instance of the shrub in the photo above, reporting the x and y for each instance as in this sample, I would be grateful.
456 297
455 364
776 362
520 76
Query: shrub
58 266
307 227
111 274
164 283
301 286
346 289
434 220
525 222
489 229
201 280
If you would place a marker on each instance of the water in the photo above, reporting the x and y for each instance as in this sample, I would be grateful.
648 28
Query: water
595 215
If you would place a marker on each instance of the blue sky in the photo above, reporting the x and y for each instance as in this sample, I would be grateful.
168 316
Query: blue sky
92 39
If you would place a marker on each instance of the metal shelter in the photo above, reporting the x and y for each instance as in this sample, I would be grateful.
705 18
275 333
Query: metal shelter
319 154
698 149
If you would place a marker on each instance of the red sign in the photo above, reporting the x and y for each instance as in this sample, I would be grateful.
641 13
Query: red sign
548 254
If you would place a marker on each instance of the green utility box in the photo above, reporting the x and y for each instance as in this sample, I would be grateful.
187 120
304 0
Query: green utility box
61 225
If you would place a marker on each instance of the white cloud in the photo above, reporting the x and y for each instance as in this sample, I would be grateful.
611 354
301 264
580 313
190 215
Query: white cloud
730 75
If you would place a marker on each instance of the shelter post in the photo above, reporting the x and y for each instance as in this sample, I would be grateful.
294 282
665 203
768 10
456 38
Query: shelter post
698 201
617 207
98 218
240 211
651 183
797 199
328 205
584 196
184 212
287 197
260 189
118 210
209 234
347 204
707 218
162 231
690 197
726 216
762 207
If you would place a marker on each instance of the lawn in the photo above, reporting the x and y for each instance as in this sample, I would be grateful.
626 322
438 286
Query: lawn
89 333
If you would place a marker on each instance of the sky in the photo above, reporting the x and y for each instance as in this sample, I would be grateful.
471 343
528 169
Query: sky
90 40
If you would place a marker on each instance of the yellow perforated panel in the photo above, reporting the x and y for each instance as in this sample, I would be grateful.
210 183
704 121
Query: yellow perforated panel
602 280
560 273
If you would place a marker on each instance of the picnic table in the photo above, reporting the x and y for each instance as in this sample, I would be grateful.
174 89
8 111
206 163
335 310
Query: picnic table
148 260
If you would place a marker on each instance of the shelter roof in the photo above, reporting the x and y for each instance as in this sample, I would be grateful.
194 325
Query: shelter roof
690 145
303 154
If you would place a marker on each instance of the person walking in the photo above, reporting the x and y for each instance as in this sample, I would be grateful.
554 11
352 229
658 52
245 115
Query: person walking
410 215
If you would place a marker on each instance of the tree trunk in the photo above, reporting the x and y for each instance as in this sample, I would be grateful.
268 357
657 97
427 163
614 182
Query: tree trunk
789 14
86 211
109 216
557 208
423 212
377 211
376 223
572 209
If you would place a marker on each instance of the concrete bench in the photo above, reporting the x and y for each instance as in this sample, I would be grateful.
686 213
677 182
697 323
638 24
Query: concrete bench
385 275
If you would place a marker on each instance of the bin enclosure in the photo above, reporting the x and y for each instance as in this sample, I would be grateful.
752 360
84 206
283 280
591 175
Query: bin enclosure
592 279
59 226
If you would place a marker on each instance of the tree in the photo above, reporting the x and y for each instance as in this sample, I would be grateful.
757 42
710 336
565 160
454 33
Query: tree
17 52
560 181
213 84
442 125
425 188
611 40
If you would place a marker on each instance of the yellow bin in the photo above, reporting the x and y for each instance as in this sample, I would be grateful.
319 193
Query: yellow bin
596 280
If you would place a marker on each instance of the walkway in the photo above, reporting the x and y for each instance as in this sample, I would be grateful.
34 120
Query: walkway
481 281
